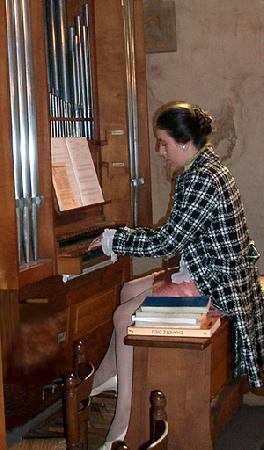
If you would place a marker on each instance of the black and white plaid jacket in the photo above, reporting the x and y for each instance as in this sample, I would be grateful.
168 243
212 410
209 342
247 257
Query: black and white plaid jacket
207 225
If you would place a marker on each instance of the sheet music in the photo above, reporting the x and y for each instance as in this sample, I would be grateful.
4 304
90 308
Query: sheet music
73 173
67 198
85 174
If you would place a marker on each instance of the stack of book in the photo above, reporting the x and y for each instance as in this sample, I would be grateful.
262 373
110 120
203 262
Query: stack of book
174 316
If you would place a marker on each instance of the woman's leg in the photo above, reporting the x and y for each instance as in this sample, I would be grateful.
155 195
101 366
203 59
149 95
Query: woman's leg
107 369
119 357
124 360
124 353
169 289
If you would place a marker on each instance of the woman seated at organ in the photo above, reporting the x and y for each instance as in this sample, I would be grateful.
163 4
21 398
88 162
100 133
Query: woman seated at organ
207 226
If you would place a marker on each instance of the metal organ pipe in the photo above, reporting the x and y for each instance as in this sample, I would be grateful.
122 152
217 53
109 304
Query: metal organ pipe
81 76
23 121
88 70
32 127
71 32
23 127
15 121
129 86
52 45
76 58
62 53
136 180
87 101
72 70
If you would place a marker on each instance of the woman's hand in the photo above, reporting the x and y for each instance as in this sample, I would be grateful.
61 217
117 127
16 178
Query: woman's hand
97 242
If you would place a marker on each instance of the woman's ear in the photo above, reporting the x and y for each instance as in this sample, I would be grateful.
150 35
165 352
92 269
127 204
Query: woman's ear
186 146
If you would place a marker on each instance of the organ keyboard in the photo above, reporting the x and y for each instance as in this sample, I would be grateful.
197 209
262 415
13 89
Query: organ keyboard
73 255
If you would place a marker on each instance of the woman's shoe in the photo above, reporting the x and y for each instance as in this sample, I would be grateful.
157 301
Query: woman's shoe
109 385
107 445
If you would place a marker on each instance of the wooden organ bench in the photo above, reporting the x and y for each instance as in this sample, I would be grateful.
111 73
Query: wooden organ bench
195 375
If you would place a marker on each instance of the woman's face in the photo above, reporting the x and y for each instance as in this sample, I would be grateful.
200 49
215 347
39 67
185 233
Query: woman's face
176 155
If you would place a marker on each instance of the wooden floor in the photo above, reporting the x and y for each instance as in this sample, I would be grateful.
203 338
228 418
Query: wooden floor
102 412
41 444
101 415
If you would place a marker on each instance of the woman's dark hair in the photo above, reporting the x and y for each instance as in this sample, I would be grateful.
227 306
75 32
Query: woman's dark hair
185 122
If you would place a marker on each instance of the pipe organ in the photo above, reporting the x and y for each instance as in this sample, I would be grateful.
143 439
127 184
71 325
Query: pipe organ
74 70
69 71
24 137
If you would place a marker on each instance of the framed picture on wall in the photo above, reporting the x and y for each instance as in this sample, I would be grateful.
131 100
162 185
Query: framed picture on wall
160 26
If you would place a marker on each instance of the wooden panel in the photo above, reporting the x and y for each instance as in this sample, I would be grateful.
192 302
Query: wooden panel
185 381
224 406
167 342
99 280
145 197
70 265
36 272
40 350
2 407
111 87
92 299
9 323
111 72
222 357
93 312
8 254
92 296
96 343
74 265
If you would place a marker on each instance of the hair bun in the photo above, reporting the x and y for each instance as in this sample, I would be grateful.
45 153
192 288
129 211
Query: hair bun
204 120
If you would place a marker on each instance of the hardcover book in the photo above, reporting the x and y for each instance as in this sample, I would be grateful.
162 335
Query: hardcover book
162 314
207 328
165 324
166 318
199 304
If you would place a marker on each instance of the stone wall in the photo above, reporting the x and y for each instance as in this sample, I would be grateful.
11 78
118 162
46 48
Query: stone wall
219 65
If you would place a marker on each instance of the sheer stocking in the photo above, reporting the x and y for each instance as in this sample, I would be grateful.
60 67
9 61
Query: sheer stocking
107 368
119 357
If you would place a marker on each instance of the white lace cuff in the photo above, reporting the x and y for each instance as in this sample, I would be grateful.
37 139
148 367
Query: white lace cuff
107 242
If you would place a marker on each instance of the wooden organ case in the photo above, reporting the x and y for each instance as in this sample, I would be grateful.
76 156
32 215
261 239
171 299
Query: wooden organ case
56 293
